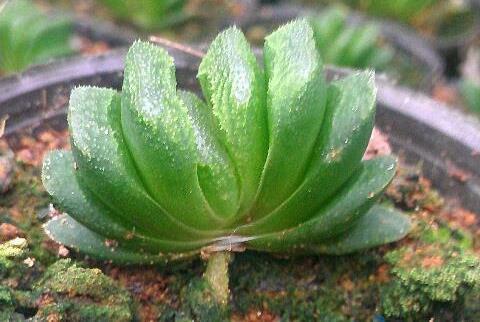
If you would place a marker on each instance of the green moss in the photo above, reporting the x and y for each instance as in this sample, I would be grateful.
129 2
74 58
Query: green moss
445 235
437 274
10 254
71 311
8 305
11 316
6 298
428 281
28 197
302 289
190 296
12 272
13 248
323 288
198 303
9 251
82 294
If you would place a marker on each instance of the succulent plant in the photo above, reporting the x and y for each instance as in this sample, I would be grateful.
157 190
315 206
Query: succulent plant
470 92
28 37
345 45
444 21
404 10
271 160
147 14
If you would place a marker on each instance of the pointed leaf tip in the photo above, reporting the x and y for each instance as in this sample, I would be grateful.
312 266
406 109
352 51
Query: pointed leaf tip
380 225
234 86
296 99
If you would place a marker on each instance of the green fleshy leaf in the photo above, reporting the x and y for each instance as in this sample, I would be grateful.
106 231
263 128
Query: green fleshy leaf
105 166
379 226
65 230
296 100
234 86
161 137
59 180
355 198
340 146
216 173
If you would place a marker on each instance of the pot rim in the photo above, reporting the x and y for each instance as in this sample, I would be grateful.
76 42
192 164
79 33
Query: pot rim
402 37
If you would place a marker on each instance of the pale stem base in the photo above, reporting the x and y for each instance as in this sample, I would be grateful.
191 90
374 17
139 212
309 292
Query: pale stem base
216 275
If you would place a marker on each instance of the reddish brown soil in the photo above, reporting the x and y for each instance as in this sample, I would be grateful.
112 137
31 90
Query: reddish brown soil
150 287
378 145
256 316
445 93
31 150
9 231
89 47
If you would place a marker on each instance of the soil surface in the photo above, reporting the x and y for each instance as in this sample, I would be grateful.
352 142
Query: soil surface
434 273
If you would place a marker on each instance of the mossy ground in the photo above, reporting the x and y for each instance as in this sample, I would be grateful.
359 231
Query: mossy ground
434 273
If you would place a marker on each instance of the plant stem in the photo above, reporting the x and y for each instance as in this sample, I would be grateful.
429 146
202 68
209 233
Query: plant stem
216 275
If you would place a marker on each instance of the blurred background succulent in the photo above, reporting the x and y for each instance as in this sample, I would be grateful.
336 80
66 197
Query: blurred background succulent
469 83
28 37
346 39
403 10
470 92
147 14
158 174
444 21
341 44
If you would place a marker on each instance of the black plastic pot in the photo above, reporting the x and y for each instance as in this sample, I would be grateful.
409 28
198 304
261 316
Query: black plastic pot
121 35
416 49
419 128
97 30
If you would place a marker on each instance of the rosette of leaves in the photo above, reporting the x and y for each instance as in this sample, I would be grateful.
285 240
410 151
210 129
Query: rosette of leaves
147 14
270 159
28 37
